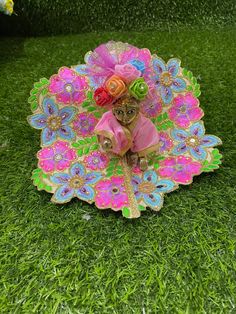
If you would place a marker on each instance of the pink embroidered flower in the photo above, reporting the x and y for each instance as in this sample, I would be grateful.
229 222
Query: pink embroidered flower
185 109
84 124
58 156
96 160
68 86
165 141
111 193
181 169
127 72
152 106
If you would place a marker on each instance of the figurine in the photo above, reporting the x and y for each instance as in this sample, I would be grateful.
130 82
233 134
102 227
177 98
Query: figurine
125 130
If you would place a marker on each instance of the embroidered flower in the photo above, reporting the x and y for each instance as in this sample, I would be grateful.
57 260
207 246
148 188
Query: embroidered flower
68 86
127 72
194 141
75 184
150 189
59 156
185 109
53 122
166 80
116 86
180 169
102 97
84 124
111 193
96 160
138 88
165 142
152 106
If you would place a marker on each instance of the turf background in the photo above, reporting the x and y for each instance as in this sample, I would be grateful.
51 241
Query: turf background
54 260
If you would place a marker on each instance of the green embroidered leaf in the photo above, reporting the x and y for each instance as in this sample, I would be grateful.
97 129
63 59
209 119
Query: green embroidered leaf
86 104
44 91
126 212
32 98
86 151
141 207
48 188
44 81
97 114
34 91
95 147
197 93
37 170
34 106
156 166
194 80
190 74
76 145
159 118
109 174
80 152
38 84
185 72
214 163
90 95
119 172
91 109
189 88
165 116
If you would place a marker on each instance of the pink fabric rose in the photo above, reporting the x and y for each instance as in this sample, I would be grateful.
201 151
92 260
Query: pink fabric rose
127 72
58 157
181 169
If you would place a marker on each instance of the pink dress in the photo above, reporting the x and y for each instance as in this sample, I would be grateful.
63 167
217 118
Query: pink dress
140 136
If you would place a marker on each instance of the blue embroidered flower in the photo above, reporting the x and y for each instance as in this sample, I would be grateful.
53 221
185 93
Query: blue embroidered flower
139 65
166 79
75 184
151 189
53 122
194 141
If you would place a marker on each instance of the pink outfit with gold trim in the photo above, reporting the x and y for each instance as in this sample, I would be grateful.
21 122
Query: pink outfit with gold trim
140 136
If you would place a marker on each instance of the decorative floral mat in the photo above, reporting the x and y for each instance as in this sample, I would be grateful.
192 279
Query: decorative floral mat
71 162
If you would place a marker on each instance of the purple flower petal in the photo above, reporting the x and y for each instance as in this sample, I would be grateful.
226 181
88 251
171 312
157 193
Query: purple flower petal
63 194
48 136
173 67
38 121
49 107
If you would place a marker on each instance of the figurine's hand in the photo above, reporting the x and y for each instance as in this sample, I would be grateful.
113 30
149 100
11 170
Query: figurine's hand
107 144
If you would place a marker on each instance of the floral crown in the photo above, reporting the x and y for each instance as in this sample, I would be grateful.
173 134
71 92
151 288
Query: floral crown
126 81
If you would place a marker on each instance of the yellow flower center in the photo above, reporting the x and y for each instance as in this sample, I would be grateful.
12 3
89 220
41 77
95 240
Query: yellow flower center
146 187
54 122
76 182
192 141
166 79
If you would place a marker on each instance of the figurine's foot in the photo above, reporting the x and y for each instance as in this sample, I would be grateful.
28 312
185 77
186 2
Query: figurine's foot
143 163
132 159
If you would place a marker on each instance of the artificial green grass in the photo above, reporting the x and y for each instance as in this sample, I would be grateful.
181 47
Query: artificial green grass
75 258
46 17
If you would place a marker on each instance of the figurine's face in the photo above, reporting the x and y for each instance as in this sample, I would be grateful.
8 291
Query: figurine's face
126 113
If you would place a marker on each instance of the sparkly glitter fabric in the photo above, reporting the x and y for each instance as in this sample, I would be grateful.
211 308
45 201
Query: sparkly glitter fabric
71 162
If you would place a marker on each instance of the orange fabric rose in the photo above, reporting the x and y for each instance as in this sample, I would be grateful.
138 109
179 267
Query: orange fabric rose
116 86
